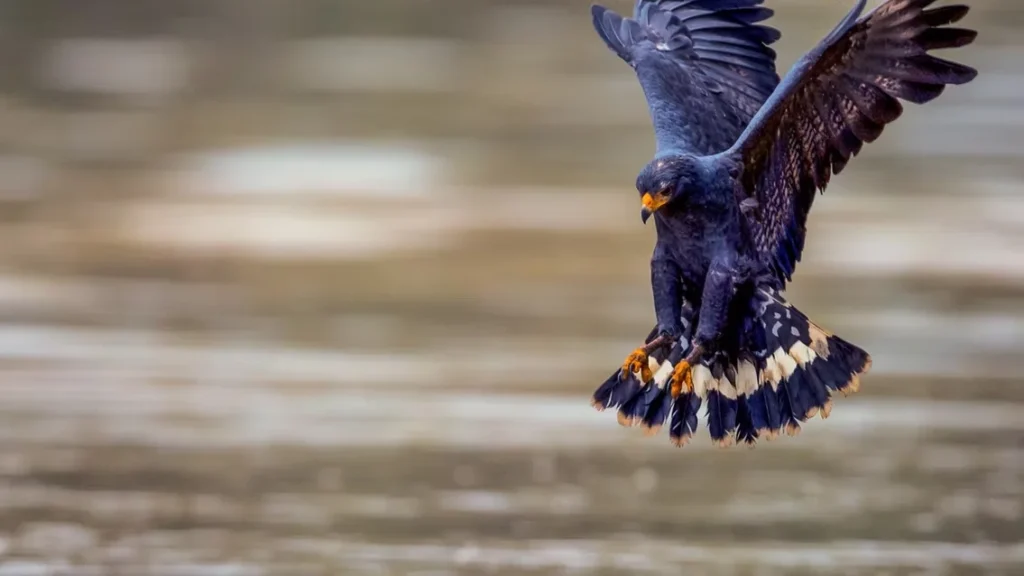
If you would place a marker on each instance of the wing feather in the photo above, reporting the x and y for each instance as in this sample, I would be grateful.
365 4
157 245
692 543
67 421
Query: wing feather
837 97
704 65
765 57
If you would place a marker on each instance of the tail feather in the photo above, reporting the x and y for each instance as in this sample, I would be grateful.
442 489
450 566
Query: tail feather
615 391
811 394
751 415
850 356
835 377
750 394
765 402
657 411
660 407
809 362
648 406
746 429
786 409
819 394
722 412
757 410
799 388
722 405
632 411
684 418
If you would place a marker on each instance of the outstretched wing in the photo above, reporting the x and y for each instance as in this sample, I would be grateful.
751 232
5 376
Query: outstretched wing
704 65
838 96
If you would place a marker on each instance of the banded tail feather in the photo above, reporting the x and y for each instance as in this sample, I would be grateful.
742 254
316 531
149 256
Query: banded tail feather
684 418
799 369
749 395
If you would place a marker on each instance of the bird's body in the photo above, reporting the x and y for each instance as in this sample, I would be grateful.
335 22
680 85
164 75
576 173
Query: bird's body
704 227
703 232
740 156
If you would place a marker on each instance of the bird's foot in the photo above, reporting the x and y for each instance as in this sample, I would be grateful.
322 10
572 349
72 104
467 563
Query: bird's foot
682 379
682 376
637 362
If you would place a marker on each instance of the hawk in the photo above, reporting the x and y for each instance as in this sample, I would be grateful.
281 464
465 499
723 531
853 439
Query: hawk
740 156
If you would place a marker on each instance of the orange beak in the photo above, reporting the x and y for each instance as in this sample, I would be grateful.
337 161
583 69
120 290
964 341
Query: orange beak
651 204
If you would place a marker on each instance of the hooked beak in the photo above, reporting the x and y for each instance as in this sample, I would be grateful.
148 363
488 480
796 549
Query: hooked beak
651 205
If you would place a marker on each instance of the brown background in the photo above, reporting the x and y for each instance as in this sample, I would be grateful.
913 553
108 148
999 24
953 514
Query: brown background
323 287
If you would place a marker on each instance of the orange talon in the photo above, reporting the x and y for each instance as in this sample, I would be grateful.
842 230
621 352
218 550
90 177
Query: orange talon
637 362
682 379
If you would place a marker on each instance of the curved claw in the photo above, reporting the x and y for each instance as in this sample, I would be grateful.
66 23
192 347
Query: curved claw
682 375
638 362
682 379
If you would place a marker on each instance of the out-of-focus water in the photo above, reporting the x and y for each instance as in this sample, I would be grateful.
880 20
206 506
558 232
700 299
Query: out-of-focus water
324 288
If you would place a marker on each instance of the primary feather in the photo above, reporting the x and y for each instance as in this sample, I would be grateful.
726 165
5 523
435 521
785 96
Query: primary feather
840 95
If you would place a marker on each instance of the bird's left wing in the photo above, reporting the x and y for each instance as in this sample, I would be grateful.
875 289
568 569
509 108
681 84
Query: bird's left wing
705 66
838 96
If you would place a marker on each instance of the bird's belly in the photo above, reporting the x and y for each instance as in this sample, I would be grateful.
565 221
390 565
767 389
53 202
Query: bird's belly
695 239
693 263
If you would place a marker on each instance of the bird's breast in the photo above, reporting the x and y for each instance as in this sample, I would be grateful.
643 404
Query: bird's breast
696 237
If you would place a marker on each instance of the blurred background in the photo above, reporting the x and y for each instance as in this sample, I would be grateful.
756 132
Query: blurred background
324 287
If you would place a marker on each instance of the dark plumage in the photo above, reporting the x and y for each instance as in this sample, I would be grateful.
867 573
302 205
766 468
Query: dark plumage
739 159
704 65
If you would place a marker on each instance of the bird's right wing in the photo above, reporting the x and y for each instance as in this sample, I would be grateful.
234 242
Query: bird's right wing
704 65
838 96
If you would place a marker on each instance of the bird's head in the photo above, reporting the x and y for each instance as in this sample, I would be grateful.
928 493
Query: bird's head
663 181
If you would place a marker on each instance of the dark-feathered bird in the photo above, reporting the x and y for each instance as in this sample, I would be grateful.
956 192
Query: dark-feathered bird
739 159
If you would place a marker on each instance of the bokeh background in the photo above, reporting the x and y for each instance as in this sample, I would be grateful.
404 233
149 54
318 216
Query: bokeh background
323 287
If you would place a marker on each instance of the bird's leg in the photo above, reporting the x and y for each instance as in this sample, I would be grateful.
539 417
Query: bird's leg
719 289
666 285
682 375
667 288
